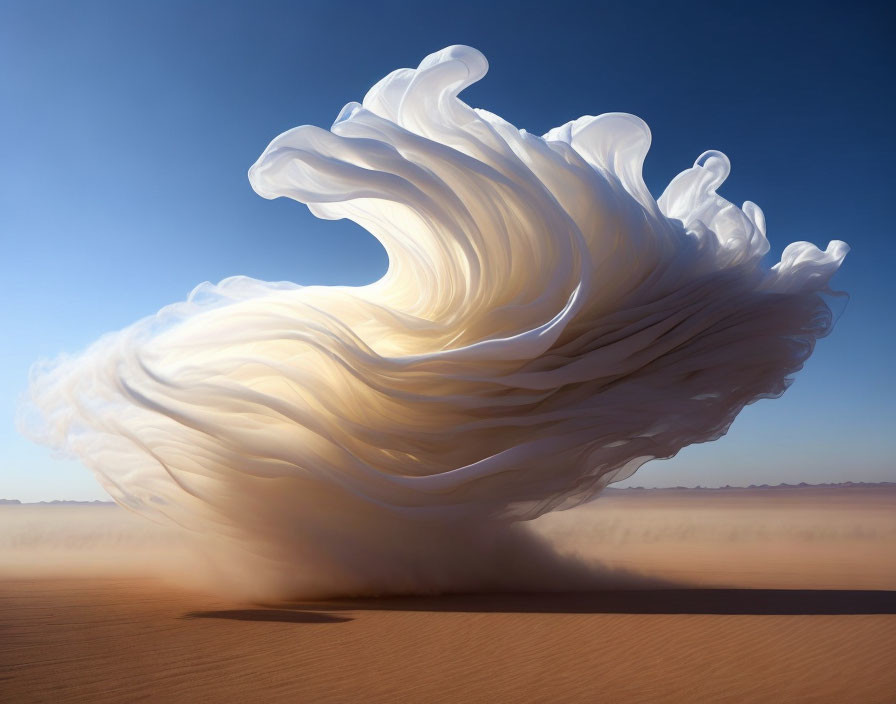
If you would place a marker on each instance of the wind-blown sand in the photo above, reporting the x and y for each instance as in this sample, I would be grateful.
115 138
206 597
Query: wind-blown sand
780 595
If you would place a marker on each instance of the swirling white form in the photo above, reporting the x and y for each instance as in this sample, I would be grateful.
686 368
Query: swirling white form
544 328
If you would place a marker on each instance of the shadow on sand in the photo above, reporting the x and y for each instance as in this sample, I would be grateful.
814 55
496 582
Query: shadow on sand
287 615
778 602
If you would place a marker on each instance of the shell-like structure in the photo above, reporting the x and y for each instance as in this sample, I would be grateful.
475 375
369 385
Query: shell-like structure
544 328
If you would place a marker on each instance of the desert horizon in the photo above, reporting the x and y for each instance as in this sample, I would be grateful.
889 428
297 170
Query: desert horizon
4 501
778 594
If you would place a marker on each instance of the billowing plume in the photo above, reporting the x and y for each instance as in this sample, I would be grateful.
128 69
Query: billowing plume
544 328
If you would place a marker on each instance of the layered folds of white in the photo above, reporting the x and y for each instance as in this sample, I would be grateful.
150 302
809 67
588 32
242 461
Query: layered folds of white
544 328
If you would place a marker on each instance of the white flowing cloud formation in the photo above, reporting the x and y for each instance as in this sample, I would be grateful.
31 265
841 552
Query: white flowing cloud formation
544 328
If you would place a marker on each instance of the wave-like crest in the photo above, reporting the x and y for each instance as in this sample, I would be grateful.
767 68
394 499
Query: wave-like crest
544 328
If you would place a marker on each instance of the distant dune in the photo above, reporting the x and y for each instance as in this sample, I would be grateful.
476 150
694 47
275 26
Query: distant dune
778 594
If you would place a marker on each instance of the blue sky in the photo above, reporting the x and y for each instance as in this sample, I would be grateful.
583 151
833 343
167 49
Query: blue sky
126 130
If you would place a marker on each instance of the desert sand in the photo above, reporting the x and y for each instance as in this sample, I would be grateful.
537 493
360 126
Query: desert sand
770 595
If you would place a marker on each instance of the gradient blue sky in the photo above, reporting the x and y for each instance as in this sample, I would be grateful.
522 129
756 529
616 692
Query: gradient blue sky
126 130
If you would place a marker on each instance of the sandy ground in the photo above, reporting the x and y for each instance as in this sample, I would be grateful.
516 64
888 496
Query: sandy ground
781 595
